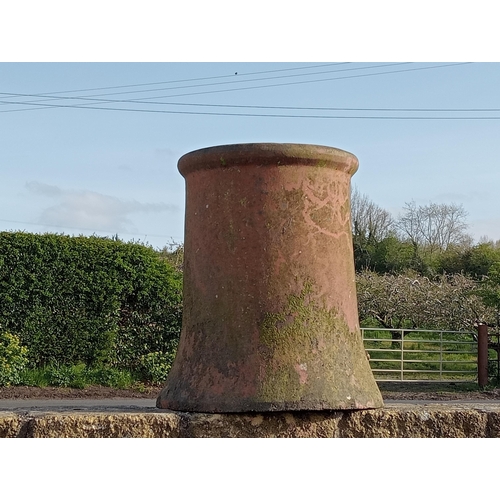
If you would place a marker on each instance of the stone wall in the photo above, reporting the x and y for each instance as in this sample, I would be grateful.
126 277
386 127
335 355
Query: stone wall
450 420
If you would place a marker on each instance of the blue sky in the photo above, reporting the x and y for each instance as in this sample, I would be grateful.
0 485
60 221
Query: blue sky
77 170
81 170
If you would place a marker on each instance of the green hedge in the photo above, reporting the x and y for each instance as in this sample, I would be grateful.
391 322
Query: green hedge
13 359
87 299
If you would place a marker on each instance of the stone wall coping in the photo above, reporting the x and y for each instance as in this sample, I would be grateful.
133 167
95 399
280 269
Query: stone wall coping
396 420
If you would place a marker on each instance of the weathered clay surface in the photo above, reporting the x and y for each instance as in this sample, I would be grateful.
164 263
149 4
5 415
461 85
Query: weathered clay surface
394 421
270 318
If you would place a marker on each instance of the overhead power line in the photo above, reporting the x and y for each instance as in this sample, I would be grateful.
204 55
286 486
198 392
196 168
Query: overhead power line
95 105
108 101
294 108
240 81
316 108
232 75
348 77
50 96
163 111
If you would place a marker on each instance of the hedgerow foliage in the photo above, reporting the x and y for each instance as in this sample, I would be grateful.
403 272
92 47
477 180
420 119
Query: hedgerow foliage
87 299
13 359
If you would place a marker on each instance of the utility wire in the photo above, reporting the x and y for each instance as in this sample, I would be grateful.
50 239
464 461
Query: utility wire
40 104
52 96
294 108
276 78
312 81
200 78
163 111
313 108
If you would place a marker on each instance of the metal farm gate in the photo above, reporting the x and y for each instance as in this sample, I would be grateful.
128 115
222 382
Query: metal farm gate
421 355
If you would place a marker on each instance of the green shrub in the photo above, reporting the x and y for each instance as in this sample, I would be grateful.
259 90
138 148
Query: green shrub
493 371
151 312
112 377
35 377
68 376
87 300
154 366
13 359
78 376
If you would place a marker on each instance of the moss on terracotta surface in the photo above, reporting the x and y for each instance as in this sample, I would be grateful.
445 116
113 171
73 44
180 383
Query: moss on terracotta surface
313 358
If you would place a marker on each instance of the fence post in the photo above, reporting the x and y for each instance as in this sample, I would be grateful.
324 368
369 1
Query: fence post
482 355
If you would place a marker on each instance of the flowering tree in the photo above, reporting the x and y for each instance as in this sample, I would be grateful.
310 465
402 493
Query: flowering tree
409 300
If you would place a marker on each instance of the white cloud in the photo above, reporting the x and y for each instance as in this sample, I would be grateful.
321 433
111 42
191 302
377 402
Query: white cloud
44 189
91 210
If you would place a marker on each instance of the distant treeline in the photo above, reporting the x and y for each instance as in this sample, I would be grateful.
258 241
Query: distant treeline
429 239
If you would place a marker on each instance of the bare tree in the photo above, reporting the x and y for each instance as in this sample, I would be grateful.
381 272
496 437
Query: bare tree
434 226
369 221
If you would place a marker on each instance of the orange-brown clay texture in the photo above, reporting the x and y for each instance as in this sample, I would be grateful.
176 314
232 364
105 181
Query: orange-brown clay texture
270 313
